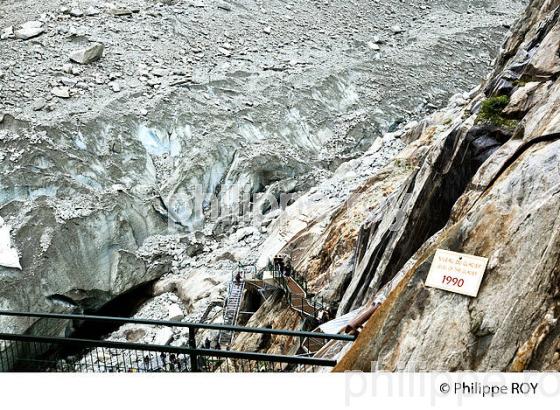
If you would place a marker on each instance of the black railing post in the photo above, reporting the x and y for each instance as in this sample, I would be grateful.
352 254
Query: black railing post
314 309
192 345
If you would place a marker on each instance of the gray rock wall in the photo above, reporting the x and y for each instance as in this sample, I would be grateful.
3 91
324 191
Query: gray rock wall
508 213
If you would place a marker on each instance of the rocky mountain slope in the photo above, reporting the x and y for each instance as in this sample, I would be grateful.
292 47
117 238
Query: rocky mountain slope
101 148
485 180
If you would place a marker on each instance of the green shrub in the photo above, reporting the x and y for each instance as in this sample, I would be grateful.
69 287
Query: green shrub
491 113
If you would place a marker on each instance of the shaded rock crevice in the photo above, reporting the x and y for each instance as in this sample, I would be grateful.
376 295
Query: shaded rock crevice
422 208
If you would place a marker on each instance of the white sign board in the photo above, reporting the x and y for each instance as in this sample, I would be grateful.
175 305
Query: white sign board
456 272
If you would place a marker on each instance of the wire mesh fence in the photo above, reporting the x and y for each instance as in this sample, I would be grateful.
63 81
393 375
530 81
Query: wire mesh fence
49 356
37 353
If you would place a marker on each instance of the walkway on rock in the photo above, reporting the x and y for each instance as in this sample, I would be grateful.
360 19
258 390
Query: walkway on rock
298 299
300 303
297 296
295 287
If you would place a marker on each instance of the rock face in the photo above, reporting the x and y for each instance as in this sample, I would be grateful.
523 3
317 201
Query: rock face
483 190
419 208
273 314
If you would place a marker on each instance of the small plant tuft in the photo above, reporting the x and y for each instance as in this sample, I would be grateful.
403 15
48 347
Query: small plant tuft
491 113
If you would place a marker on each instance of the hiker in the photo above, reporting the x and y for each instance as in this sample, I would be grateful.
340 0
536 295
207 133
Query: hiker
288 265
207 343
163 364
279 264
147 361
238 278
172 363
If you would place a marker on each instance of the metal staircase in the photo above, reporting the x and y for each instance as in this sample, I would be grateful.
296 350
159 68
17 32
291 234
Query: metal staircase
232 305
298 299
295 288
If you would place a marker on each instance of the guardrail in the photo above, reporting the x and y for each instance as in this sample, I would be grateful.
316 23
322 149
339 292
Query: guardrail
281 277
24 352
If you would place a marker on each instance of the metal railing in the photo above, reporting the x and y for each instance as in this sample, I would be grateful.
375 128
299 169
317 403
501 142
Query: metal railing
281 276
25 352
248 271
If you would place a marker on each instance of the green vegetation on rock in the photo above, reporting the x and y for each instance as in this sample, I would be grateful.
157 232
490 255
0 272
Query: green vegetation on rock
491 113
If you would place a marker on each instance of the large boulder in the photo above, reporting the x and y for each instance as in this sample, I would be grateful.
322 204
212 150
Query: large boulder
29 30
88 54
